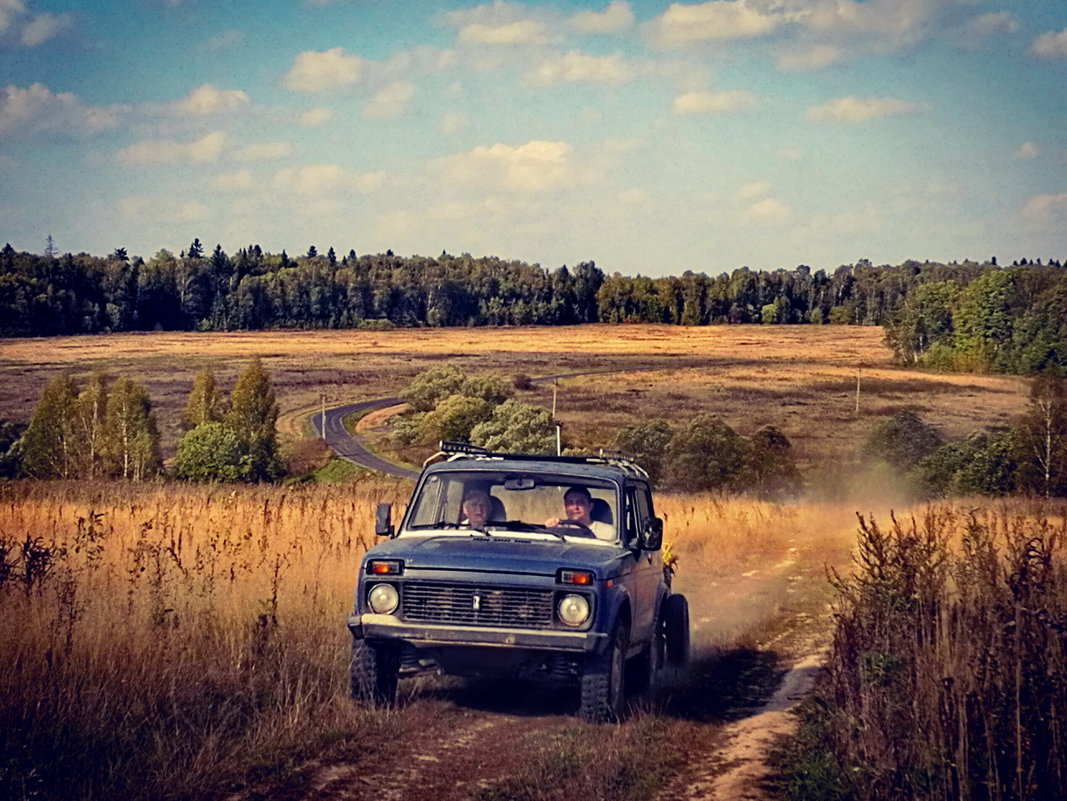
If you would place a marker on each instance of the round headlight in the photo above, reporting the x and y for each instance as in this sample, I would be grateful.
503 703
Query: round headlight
573 610
383 598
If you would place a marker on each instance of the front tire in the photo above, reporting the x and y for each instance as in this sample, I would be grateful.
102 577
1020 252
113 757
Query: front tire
603 681
676 627
373 673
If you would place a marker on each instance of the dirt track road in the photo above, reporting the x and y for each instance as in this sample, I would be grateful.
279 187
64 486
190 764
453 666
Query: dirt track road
466 740
757 643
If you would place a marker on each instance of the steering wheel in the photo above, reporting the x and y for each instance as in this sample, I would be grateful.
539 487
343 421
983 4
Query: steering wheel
585 530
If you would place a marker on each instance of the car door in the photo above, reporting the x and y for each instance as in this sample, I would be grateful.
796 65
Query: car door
648 569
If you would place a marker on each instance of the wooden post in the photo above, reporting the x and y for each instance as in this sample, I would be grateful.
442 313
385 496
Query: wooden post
322 423
858 371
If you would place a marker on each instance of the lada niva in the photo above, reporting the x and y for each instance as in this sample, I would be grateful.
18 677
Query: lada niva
520 565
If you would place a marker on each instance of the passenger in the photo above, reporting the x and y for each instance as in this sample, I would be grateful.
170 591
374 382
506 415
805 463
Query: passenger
578 505
476 508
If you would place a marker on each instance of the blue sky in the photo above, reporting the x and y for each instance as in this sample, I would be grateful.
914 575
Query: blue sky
649 137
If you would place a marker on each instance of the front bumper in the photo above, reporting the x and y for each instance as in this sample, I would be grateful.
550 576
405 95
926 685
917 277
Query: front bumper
388 627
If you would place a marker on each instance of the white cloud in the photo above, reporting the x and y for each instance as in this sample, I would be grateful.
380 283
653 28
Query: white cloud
574 67
264 151
1046 210
814 57
37 109
789 154
891 22
718 20
453 122
862 109
390 102
315 117
10 10
856 28
1050 45
754 190
43 27
617 17
207 149
760 204
500 23
314 71
1027 150
536 166
234 181
712 102
525 31
30 28
770 209
315 179
210 99
143 209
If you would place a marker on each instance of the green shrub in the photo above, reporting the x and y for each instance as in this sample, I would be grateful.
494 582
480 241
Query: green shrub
903 440
706 455
646 443
516 427
210 452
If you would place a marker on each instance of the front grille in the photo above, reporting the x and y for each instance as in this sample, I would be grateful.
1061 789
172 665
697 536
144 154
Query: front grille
471 605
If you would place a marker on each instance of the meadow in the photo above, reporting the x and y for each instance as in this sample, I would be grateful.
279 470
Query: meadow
800 378
177 641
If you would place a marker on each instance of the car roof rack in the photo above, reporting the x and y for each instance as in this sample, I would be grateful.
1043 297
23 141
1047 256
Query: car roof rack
452 451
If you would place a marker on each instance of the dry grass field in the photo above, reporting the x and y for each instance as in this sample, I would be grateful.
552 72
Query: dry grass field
800 378
176 641
166 641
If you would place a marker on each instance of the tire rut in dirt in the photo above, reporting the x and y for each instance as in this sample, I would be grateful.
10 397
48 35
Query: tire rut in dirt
449 763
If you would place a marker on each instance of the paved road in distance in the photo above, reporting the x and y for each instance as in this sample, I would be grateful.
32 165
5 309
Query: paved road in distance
349 446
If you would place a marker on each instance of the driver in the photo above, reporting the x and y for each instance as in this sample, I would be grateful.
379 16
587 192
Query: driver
578 505
476 508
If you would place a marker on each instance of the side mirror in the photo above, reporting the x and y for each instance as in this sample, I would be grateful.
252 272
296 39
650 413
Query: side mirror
652 538
383 524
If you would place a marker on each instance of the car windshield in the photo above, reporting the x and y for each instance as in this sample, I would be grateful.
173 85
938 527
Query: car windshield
499 502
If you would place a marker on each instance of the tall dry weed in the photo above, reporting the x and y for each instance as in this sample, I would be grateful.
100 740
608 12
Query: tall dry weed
948 673
160 640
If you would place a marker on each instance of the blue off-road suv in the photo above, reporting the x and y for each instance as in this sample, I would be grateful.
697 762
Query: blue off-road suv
534 566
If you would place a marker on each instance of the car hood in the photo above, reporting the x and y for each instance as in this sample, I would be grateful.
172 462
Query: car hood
499 554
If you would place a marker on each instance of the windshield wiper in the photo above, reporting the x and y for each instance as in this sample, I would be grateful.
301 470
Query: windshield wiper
519 525
438 524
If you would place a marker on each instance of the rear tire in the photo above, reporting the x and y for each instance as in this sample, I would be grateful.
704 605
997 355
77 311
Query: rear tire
373 673
676 628
603 681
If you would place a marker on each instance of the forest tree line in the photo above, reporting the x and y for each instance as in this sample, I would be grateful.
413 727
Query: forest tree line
966 315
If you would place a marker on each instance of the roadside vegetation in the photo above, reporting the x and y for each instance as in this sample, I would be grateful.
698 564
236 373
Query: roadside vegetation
945 679
1027 457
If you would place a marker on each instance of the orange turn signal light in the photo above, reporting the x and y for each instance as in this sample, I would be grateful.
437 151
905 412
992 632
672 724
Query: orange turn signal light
385 567
581 577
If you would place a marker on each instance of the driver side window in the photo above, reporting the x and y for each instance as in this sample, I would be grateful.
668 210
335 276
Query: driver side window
639 512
